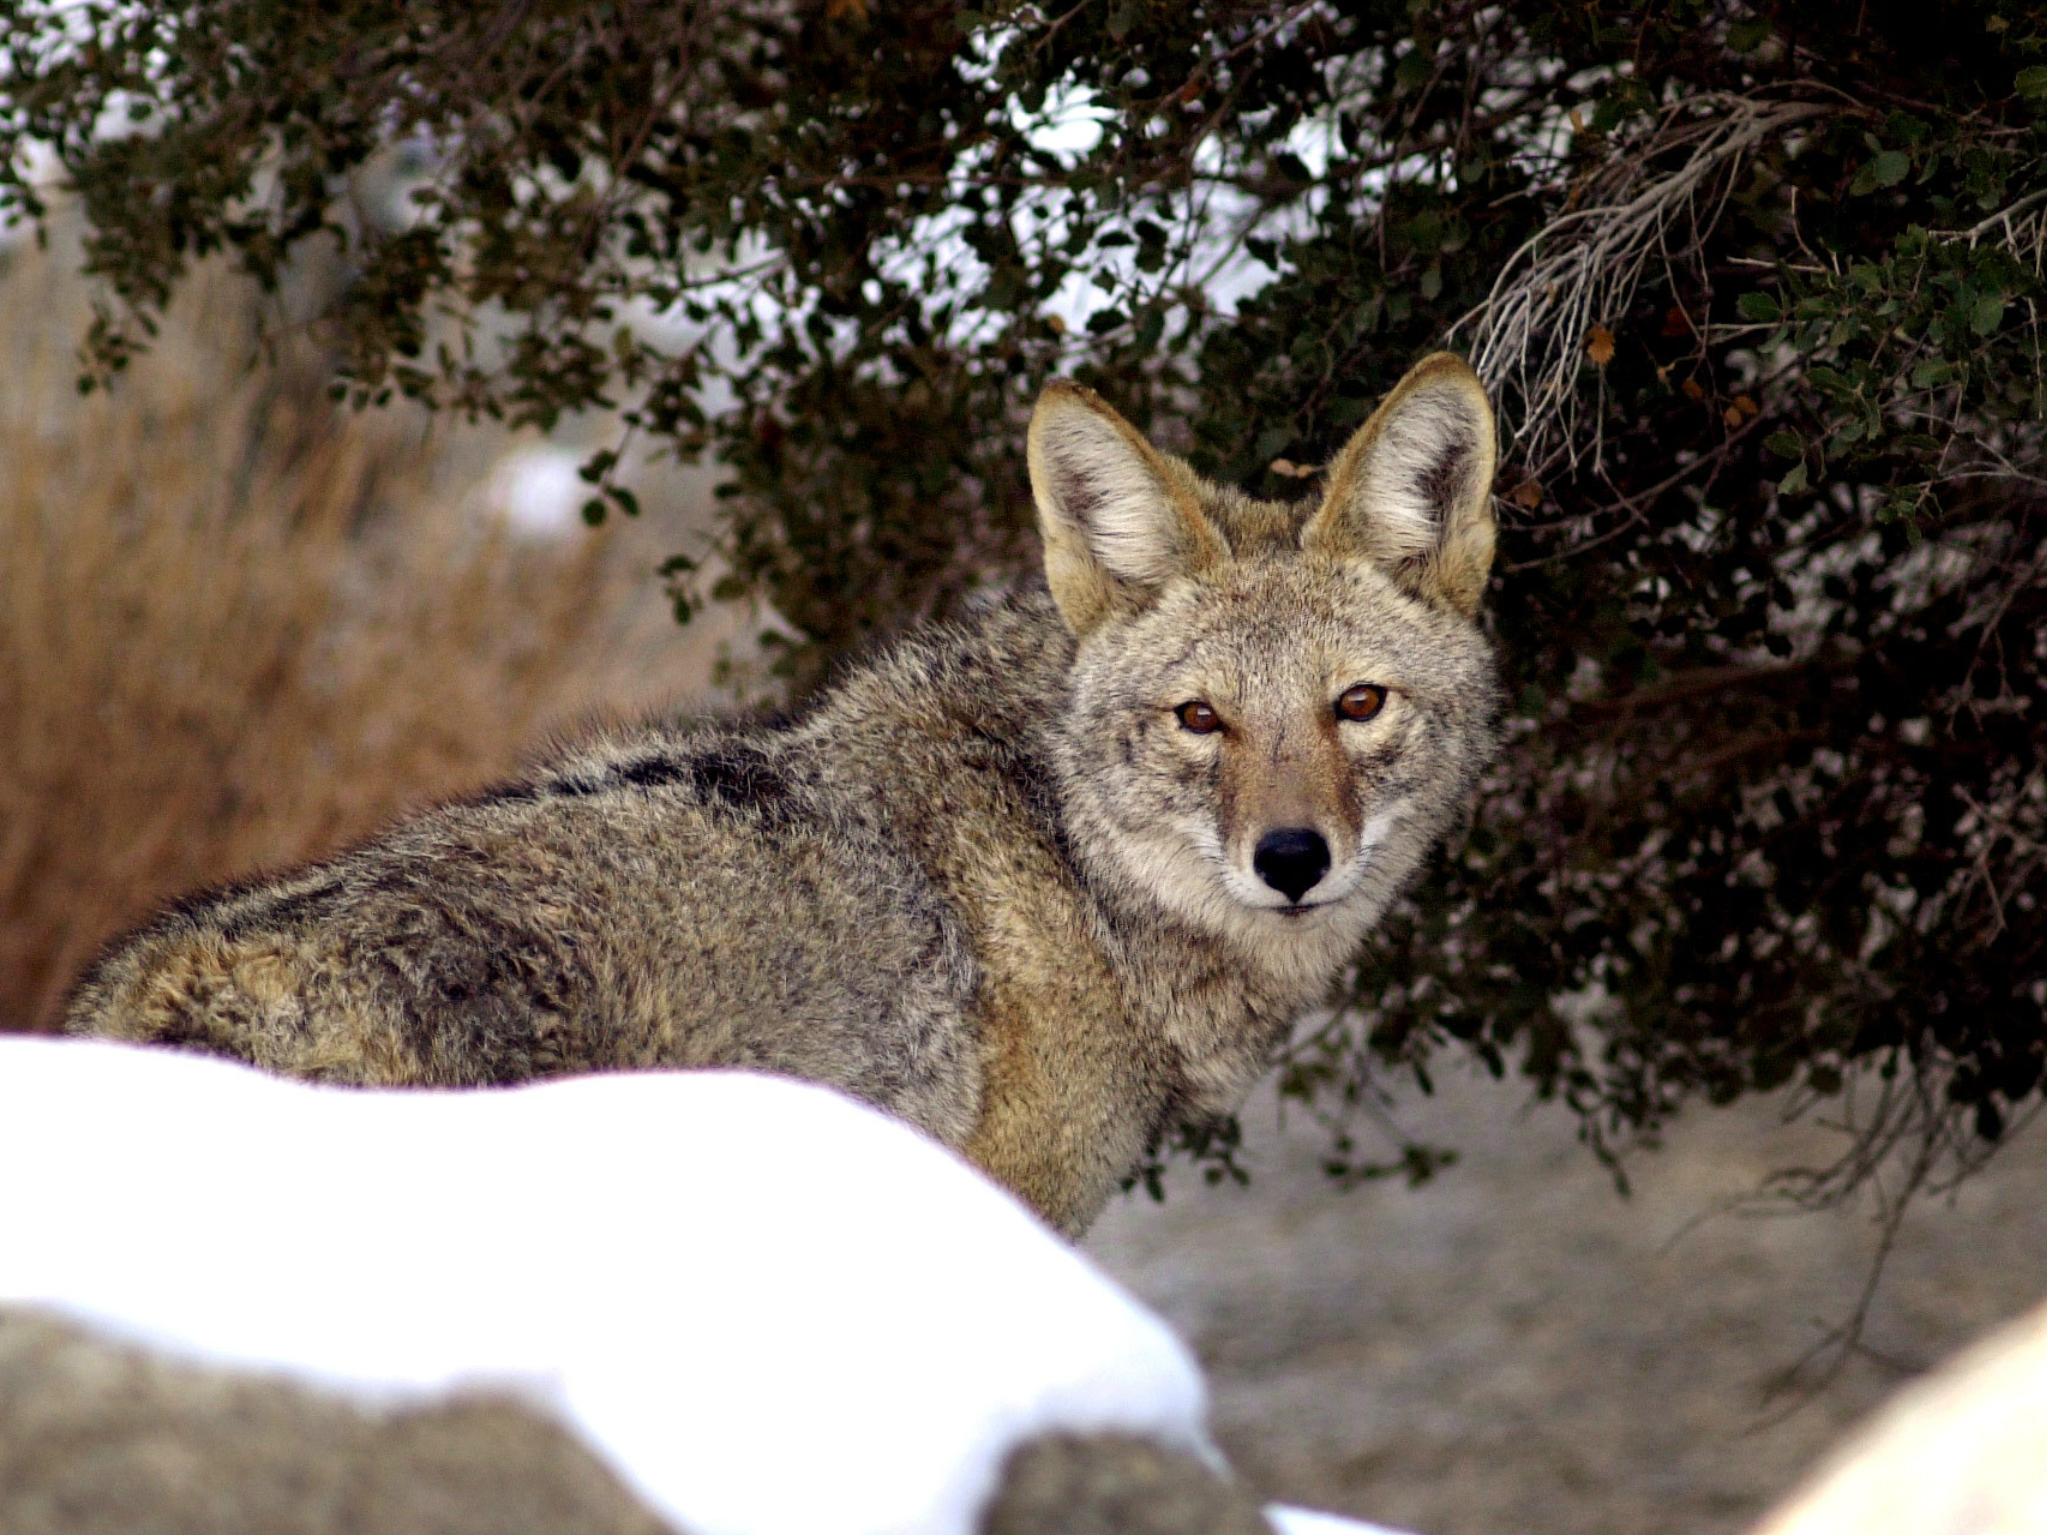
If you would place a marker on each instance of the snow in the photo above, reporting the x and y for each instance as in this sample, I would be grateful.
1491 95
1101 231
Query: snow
1292 1520
768 1307
537 493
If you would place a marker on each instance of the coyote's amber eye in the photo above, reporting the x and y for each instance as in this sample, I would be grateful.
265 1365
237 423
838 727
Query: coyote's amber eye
1361 701
1196 715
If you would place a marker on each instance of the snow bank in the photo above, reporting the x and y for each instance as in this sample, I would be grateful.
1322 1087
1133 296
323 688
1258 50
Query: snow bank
712 1277
1292 1520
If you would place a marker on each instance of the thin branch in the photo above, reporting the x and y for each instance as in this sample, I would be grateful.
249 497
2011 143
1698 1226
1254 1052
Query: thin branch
1529 336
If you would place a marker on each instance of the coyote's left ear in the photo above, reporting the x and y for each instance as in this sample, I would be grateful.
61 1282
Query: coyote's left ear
1413 489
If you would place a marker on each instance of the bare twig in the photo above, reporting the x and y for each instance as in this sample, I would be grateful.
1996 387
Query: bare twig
1528 338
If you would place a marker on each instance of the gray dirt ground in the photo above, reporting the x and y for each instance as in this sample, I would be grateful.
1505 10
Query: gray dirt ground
1515 1348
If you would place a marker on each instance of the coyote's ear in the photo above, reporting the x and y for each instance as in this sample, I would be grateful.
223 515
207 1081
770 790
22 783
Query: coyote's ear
1118 517
1413 489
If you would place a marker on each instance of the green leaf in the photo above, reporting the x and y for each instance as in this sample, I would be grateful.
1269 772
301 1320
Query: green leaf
1886 168
1787 445
1830 382
1760 307
1986 313
2032 82
1905 128
1794 481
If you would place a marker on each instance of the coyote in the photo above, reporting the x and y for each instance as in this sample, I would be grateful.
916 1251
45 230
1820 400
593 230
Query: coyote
1047 882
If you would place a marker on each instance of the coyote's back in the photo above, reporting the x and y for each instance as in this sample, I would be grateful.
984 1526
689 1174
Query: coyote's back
1046 882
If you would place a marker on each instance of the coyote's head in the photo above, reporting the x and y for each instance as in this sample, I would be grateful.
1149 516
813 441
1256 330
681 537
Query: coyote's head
1274 709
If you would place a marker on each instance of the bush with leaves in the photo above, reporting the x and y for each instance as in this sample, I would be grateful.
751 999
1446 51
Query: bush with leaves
1758 289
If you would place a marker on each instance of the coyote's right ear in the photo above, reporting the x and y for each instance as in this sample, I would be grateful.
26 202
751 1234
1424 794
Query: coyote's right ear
1413 489
1118 517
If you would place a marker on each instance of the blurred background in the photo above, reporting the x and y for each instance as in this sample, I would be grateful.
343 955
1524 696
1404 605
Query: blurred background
243 624
1516 1347
1691 1106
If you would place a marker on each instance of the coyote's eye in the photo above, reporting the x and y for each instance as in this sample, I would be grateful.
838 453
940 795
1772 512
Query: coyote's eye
1198 716
1361 701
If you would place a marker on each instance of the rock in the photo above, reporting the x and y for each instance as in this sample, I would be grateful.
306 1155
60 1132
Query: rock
98 1436
1962 1449
1074 1482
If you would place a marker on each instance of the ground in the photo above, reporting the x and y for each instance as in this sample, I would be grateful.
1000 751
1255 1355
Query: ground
1514 1347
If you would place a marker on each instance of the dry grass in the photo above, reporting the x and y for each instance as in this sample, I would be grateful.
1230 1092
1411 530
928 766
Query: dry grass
238 628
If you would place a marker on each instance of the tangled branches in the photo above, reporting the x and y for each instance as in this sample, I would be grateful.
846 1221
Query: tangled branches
1657 195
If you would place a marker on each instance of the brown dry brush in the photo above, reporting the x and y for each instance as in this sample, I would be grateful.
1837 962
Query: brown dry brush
239 627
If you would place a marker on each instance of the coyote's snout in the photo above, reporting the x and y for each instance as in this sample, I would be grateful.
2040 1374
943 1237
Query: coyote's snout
1044 883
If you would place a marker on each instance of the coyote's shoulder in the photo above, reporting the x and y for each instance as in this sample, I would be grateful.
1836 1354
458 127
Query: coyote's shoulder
1044 882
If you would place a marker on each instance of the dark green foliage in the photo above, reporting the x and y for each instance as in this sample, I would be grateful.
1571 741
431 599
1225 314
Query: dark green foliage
1771 579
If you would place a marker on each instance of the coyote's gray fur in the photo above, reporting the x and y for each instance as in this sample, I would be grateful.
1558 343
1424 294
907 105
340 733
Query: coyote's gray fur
1046 882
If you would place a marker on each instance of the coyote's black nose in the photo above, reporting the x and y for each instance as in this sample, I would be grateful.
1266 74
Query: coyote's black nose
1291 860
